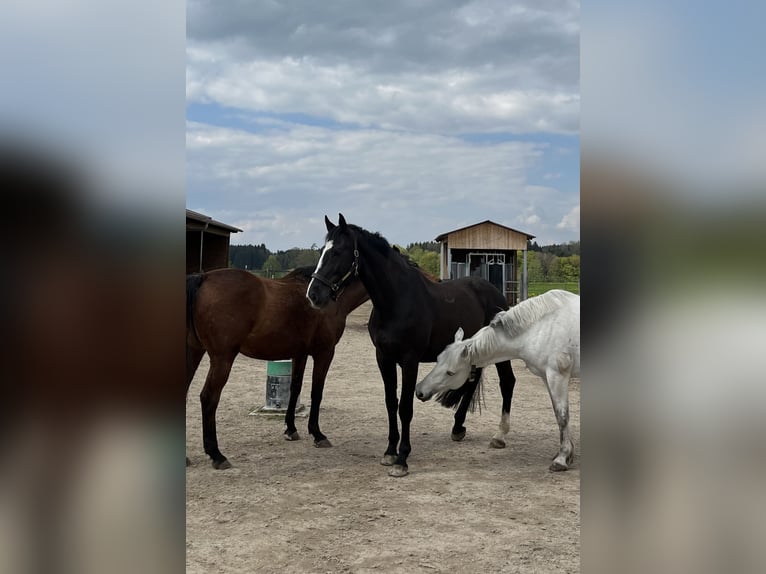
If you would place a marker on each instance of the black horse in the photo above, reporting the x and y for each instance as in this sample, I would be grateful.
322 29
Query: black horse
412 321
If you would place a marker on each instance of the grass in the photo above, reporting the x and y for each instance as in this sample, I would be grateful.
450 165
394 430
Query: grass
538 288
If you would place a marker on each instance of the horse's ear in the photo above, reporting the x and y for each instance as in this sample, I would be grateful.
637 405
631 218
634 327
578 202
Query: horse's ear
341 221
329 224
459 334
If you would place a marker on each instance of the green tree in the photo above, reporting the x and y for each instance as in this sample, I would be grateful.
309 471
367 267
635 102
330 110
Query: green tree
425 246
429 262
272 264
306 258
569 268
248 256
554 269
534 266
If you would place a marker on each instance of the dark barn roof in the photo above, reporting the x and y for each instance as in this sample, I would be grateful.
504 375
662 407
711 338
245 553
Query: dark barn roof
199 221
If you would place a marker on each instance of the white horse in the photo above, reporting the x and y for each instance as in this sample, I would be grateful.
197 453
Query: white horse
544 331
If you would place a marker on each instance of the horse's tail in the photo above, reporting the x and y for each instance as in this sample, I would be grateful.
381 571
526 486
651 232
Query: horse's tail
451 399
193 283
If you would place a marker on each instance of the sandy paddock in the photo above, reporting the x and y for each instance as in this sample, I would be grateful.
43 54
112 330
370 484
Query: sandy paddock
464 507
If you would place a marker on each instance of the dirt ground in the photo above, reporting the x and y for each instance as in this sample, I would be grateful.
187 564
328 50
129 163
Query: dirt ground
464 507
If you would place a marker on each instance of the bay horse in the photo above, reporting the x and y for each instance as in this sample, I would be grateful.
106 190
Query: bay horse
231 311
412 320
544 332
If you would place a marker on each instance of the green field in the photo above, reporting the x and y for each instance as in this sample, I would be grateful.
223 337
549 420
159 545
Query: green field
538 288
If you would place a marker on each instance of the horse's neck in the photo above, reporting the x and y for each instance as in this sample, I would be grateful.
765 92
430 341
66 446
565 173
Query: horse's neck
353 296
375 273
490 347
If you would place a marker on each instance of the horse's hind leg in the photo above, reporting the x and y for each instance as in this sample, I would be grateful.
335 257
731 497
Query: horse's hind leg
387 369
318 375
558 387
507 383
193 358
458 430
220 367
296 384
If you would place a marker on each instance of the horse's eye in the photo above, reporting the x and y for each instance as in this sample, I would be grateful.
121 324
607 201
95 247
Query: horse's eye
450 373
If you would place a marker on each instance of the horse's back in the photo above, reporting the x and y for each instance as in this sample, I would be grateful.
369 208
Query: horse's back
468 303
228 304
482 298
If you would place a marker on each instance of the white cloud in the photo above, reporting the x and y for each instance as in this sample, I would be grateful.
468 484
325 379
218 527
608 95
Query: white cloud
278 183
397 101
533 219
571 221
488 65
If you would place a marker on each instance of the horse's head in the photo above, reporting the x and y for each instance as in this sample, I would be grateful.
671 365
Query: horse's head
452 369
338 264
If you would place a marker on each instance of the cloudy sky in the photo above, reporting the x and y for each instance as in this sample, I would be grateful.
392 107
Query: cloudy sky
412 118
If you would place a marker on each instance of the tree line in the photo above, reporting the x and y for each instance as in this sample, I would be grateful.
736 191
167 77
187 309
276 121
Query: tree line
260 258
557 262
553 263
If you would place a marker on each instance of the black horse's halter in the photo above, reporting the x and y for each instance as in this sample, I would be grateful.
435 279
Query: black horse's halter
335 287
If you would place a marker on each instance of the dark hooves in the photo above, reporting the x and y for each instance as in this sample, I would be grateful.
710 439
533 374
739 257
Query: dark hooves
398 470
458 436
496 443
221 464
388 460
188 462
323 443
292 435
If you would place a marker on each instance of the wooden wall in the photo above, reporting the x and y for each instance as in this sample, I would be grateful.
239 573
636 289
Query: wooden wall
487 236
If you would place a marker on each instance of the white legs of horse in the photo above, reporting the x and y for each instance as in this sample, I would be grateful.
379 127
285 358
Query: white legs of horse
558 388
498 439
544 332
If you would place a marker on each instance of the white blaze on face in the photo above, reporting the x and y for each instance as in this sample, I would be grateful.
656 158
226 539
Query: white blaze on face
325 251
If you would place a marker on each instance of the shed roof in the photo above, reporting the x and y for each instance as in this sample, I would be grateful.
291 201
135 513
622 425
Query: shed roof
443 236
201 218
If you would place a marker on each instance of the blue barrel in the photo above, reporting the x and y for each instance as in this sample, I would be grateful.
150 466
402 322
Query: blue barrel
278 378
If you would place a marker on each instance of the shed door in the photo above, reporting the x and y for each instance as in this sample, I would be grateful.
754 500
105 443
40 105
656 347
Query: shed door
489 266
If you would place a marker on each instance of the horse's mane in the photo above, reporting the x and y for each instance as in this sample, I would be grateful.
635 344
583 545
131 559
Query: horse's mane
519 317
380 244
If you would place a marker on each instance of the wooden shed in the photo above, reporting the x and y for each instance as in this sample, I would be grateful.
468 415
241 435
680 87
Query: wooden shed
207 242
487 250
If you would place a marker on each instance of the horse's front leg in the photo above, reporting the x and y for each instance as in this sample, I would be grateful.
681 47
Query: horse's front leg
296 384
387 367
318 376
409 378
507 383
558 387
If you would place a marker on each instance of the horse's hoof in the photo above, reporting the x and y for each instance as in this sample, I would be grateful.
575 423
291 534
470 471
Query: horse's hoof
497 443
292 435
398 471
188 462
324 443
221 464
458 436
558 467
388 460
